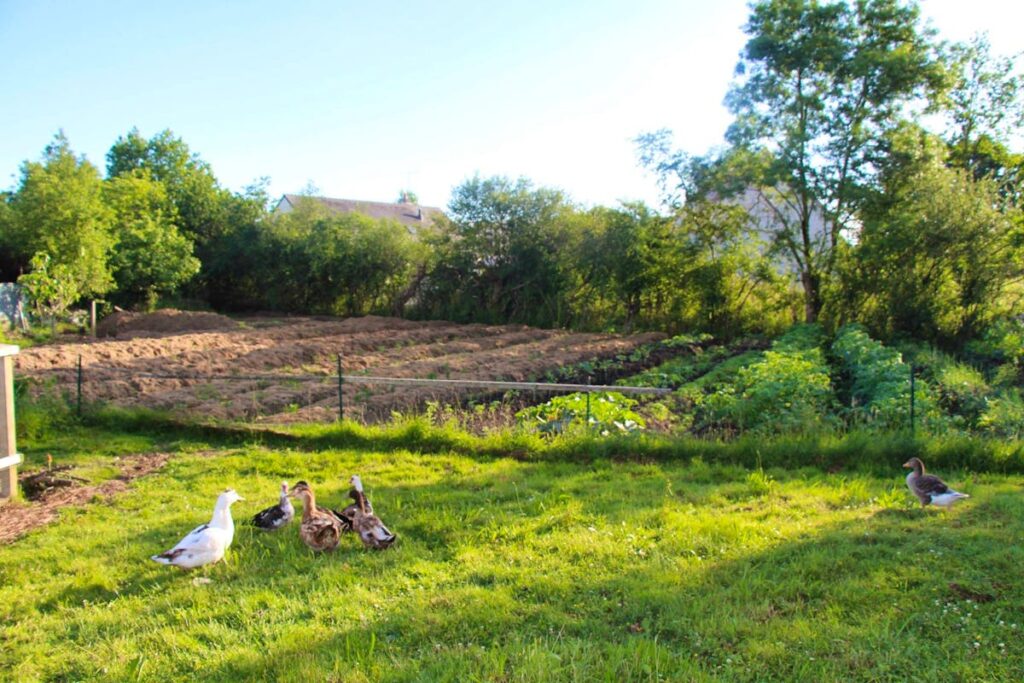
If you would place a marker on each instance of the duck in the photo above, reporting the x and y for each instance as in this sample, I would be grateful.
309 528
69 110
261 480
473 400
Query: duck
320 529
276 516
371 530
207 543
928 488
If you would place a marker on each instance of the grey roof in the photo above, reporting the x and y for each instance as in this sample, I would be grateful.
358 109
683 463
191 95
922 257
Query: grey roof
412 215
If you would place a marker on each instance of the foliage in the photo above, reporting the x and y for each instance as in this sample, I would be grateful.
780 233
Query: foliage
497 255
1003 417
879 383
937 257
58 210
961 390
818 85
152 257
51 288
605 412
787 390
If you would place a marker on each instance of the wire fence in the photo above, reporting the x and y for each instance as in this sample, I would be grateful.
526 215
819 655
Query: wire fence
450 390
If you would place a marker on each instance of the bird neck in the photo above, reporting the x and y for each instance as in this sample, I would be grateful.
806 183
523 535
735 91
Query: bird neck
285 502
918 468
222 516
308 505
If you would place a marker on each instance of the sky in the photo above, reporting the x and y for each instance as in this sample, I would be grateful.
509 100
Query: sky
365 99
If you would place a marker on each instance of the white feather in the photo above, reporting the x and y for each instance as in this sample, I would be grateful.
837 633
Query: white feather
207 543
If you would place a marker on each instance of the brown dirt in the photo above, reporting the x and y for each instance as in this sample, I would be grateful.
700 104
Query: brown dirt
21 517
123 324
113 369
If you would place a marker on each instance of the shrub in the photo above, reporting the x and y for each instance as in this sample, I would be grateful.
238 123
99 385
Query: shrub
610 412
788 390
880 383
1003 416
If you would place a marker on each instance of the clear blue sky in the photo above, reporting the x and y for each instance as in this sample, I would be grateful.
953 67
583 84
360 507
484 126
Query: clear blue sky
365 98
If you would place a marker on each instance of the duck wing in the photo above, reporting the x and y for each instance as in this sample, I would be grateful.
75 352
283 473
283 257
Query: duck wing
273 517
202 545
344 517
372 532
929 485
322 532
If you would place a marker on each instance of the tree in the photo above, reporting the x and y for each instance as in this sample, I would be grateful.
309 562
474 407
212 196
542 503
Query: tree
198 199
818 85
58 210
151 256
498 254
938 253
51 287
984 106
985 98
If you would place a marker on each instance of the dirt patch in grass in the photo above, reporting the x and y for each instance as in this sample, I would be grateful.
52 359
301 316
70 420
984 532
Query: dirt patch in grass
21 517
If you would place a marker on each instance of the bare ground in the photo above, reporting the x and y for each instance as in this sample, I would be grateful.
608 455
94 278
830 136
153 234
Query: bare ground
392 347
21 517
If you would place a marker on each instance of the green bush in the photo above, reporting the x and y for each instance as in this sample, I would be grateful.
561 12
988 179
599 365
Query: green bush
879 383
1003 416
961 390
610 412
787 391
1000 351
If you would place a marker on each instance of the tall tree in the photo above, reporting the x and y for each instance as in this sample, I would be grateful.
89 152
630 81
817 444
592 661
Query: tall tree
198 199
939 253
499 253
152 256
58 210
817 86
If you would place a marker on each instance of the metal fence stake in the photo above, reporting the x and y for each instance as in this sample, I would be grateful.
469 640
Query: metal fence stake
341 400
78 402
912 399
588 405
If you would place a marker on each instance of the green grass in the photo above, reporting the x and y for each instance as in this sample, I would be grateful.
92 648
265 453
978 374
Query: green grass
525 560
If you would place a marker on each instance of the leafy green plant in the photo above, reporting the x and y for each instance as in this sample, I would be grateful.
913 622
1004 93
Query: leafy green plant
880 383
609 412
787 390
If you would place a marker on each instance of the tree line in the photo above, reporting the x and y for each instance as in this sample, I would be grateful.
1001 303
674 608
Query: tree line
867 176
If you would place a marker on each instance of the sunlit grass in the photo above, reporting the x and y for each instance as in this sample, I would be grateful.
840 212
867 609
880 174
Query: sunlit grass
544 566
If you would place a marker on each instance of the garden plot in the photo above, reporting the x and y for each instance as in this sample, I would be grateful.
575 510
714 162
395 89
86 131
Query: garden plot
114 370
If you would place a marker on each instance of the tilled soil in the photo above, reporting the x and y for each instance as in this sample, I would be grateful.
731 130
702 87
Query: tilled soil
113 369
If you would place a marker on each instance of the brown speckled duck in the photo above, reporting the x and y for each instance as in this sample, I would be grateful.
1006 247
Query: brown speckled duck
320 529
928 488
371 530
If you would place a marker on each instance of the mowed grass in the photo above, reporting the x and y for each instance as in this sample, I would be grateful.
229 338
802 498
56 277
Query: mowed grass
516 570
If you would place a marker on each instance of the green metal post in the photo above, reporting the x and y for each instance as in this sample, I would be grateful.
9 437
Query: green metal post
912 400
588 405
78 403
341 400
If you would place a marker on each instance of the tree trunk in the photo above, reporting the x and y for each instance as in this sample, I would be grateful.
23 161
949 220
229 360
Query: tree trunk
812 295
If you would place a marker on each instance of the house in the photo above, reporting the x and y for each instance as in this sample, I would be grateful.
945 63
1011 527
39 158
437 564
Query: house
412 216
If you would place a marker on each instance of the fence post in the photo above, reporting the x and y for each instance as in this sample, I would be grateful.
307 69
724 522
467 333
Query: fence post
912 399
9 458
587 423
78 400
341 399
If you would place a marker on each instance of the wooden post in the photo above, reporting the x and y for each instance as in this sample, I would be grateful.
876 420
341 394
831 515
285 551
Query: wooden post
92 319
9 457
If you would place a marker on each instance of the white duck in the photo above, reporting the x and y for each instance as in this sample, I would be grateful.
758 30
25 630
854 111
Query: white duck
206 543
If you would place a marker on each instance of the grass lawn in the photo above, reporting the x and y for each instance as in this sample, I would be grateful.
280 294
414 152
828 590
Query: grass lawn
518 570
